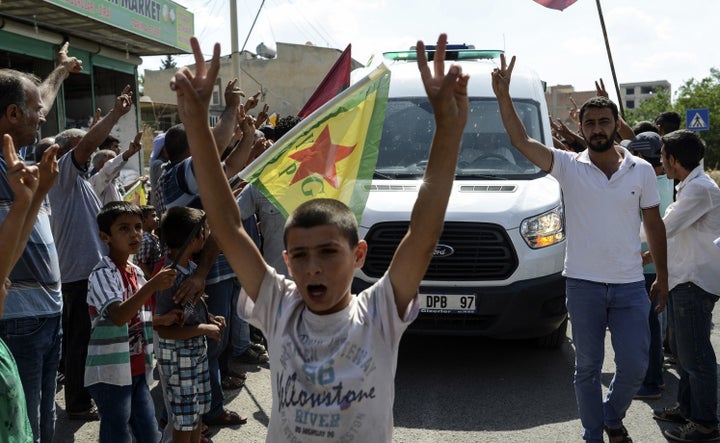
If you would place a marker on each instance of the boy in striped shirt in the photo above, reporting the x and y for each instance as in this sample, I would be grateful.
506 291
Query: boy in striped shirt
118 369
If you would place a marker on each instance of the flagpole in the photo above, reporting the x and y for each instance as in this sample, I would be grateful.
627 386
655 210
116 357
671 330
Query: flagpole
612 65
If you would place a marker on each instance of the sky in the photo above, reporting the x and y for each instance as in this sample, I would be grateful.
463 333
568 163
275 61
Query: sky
649 39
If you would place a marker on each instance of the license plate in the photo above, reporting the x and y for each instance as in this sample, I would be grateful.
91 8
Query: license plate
447 303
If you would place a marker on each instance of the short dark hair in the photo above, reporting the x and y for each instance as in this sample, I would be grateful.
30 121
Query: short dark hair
686 146
324 211
668 121
599 102
112 211
177 224
12 89
176 143
645 126
147 209
109 140
284 124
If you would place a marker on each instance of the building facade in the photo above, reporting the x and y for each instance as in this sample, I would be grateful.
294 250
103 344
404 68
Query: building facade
109 36
285 82
632 94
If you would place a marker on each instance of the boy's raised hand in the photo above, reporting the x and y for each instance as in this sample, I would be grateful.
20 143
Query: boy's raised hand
23 179
164 279
195 89
447 92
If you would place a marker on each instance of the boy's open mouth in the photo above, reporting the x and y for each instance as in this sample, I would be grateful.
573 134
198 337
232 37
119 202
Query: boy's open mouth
316 291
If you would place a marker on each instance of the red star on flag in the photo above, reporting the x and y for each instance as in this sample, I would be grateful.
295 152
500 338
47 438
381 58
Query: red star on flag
320 158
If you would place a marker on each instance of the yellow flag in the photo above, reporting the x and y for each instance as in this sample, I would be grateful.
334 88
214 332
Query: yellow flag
330 154
136 194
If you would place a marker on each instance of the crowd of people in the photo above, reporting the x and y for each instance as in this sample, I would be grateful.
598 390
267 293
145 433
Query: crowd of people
101 291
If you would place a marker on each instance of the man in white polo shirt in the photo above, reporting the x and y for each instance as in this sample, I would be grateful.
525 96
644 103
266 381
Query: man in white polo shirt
692 224
606 189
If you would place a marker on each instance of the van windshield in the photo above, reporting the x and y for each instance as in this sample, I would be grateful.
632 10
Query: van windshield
486 152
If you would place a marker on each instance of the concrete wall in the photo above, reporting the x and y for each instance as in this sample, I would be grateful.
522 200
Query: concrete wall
285 82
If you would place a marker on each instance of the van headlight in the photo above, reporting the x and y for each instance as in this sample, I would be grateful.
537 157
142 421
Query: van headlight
545 229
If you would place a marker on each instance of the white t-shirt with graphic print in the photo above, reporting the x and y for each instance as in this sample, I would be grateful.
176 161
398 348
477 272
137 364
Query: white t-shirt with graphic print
333 376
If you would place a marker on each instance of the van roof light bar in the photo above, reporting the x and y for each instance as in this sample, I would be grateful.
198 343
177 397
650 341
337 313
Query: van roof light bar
450 54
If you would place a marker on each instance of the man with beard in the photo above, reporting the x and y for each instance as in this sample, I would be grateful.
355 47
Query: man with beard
606 189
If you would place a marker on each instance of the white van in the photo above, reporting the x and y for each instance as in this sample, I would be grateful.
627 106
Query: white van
497 267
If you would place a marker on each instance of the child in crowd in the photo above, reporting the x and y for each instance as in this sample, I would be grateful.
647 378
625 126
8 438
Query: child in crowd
149 254
24 182
118 369
182 348
333 355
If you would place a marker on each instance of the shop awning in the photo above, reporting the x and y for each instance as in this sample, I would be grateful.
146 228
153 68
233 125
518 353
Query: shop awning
138 27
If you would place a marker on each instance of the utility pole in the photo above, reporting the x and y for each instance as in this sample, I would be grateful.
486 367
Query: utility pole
234 54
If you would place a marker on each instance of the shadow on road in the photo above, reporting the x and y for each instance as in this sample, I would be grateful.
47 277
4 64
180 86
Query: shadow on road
478 384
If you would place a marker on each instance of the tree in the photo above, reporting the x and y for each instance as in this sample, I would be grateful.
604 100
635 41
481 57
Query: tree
704 94
168 63
648 109
141 84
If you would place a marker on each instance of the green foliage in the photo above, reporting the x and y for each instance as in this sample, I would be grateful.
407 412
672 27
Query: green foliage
168 63
694 94
650 108
141 84
704 93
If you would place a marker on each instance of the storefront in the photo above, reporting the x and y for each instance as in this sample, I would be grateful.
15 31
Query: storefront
109 36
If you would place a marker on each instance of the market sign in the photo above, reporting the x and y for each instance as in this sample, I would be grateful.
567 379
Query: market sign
161 20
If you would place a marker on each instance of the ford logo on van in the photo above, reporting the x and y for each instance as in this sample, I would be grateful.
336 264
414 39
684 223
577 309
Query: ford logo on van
443 250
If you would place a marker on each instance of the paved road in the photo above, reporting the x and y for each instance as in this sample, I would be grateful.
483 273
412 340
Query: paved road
457 390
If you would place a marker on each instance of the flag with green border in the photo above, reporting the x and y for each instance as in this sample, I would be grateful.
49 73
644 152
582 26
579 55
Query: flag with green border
330 154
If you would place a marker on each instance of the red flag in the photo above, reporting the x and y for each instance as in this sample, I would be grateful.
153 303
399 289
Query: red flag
555 4
336 80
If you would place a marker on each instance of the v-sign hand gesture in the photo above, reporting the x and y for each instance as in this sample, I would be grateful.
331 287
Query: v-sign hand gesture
195 89
447 92
23 179
501 76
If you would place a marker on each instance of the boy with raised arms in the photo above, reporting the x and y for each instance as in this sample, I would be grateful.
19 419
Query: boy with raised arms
333 354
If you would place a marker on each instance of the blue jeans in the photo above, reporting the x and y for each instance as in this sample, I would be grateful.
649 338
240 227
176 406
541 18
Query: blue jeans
239 330
219 302
35 345
690 322
653 376
125 412
623 309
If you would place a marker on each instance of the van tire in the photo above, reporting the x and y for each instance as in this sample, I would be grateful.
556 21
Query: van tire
554 339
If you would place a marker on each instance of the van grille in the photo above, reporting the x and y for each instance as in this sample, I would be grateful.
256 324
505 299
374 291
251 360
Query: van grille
482 251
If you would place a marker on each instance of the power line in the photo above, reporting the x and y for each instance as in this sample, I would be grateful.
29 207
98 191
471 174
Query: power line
319 29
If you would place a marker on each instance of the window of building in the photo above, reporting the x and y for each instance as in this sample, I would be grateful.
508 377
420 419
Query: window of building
647 90
216 94
630 91
630 104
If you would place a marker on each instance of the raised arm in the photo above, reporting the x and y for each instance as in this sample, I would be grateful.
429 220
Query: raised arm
533 150
225 127
99 132
193 96
122 312
51 85
47 170
245 131
447 94
23 181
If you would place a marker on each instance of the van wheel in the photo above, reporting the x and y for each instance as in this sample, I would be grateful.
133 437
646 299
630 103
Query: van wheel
554 339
